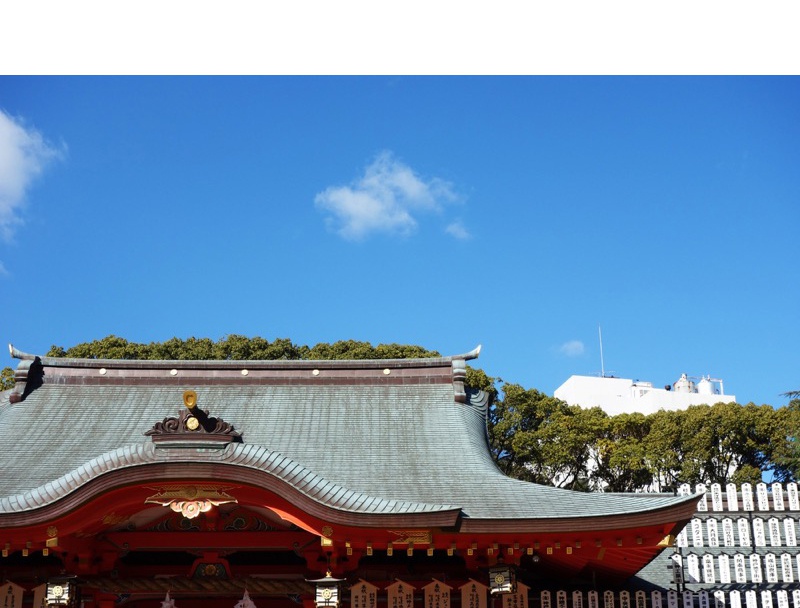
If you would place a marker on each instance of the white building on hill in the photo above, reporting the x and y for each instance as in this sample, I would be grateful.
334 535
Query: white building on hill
623 395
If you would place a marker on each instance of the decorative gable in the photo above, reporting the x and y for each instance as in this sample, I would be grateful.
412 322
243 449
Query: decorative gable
193 427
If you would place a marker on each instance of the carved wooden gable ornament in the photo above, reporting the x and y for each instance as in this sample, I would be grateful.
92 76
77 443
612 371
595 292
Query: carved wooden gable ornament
193 427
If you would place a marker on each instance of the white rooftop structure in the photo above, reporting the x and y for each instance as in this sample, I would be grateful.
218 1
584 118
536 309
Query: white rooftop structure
623 395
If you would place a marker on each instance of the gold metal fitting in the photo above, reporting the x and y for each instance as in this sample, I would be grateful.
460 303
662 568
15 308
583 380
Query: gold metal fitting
190 399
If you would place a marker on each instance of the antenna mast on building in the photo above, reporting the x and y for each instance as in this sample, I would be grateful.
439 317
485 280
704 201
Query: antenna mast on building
602 364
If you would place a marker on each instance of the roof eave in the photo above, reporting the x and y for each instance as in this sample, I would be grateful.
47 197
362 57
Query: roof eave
675 515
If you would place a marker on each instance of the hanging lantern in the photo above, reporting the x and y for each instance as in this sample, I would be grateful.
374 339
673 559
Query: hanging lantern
328 591
502 579
60 592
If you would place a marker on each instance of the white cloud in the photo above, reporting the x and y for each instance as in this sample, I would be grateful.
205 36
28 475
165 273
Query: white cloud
457 230
573 348
23 155
387 198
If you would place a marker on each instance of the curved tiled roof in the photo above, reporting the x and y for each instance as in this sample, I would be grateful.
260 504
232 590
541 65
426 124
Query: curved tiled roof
371 437
255 457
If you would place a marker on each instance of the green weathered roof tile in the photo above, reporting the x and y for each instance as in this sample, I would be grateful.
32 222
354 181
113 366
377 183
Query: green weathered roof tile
383 443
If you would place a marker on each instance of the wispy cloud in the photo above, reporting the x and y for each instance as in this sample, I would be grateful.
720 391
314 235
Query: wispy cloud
457 230
388 198
573 348
24 152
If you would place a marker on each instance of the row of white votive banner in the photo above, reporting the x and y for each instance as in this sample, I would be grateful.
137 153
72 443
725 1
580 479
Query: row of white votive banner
687 599
474 595
436 593
770 568
724 533
11 595
780 498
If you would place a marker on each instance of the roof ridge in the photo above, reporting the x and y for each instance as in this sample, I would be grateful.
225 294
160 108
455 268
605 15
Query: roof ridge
252 363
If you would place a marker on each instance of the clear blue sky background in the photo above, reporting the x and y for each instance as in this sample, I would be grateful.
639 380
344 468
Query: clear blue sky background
518 213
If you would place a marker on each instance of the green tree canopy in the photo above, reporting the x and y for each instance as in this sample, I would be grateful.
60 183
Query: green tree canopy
6 379
663 449
786 449
622 456
540 438
236 347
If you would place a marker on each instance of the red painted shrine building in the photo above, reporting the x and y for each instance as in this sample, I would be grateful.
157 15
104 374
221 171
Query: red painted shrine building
129 479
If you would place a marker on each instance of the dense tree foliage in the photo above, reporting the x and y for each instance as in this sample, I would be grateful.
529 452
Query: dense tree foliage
542 439
539 438
236 347
6 379
786 454
622 458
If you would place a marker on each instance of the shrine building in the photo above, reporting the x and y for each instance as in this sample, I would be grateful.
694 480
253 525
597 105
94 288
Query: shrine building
292 483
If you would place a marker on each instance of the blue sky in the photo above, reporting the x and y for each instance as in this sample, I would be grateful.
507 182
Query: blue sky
518 213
